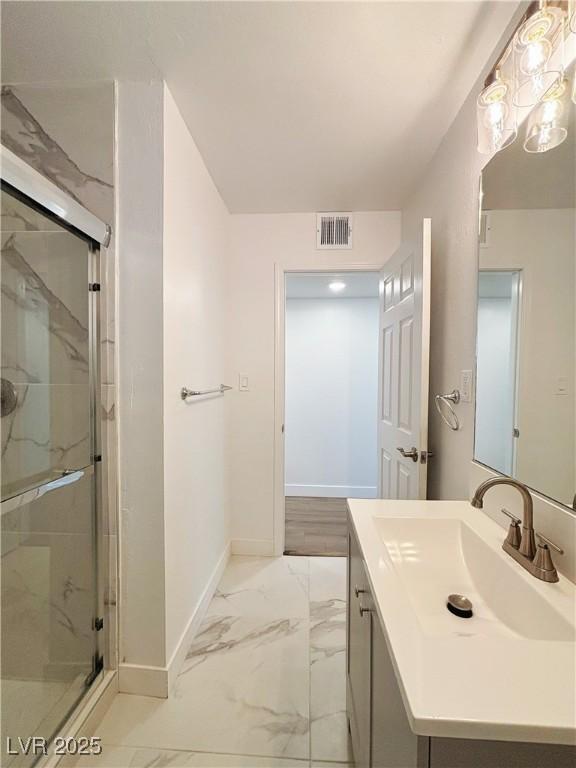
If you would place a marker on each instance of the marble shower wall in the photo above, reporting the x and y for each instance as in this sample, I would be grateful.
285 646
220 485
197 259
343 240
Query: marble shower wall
45 348
67 133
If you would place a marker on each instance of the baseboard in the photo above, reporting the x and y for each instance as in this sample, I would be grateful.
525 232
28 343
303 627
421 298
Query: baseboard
159 681
143 681
179 654
333 491
262 547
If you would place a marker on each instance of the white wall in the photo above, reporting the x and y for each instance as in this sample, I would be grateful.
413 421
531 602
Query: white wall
173 237
331 397
196 523
196 286
257 243
541 244
140 336
448 193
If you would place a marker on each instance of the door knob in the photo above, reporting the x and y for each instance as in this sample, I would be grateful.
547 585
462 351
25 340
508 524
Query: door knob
411 454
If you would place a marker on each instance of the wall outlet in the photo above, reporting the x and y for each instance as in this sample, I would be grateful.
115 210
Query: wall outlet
466 383
243 385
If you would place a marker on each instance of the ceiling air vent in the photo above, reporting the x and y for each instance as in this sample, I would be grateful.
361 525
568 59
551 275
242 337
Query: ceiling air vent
333 230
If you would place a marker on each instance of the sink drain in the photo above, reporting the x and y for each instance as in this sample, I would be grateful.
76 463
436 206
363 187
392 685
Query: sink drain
459 606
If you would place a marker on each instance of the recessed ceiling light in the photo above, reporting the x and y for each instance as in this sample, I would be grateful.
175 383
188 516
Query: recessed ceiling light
337 286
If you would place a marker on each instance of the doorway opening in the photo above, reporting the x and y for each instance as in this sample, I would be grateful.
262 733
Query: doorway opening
331 405
402 356
496 438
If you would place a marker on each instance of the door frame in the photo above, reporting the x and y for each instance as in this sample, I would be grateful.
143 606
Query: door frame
280 273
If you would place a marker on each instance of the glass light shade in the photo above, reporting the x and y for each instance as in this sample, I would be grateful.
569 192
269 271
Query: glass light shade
548 122
538 55
496 117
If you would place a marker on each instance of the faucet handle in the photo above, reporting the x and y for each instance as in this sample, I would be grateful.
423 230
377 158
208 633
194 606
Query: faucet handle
514 538
515 520
542 565
546 541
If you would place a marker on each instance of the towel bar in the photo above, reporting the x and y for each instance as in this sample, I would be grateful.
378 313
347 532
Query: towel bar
185 393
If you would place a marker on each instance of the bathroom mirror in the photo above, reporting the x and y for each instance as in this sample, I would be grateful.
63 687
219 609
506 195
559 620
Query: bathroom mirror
526 319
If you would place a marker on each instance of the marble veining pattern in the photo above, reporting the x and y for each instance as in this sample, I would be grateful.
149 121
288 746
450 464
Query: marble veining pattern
126 757
66 132
44 351
24 134
47 580
328 722
28 292
263 683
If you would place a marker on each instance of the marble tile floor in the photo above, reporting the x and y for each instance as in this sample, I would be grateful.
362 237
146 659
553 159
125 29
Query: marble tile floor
263 684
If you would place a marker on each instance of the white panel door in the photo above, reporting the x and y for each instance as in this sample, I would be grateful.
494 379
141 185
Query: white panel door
404 370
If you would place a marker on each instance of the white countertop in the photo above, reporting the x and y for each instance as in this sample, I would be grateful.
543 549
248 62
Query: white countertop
500 675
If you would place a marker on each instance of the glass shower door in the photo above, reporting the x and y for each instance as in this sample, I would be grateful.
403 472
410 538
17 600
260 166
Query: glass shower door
48 529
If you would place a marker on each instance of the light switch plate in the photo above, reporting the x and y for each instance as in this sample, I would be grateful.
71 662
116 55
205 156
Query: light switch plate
243 384
562 386
466 379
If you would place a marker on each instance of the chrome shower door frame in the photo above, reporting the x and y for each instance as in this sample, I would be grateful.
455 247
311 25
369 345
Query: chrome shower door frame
96 455
17 177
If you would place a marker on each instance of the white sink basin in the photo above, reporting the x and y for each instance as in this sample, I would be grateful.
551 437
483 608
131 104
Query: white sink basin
509 671
438 557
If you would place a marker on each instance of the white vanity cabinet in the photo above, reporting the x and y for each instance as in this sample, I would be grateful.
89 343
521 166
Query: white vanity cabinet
379 728
358 661
393 744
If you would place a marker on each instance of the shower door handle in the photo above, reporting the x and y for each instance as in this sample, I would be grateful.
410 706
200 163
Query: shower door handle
26 497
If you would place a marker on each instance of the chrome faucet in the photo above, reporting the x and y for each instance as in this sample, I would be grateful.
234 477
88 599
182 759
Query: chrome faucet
522 546
527 544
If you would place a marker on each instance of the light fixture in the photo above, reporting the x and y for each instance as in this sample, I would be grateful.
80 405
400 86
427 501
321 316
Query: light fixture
573 30
337 286
496 115
529 81
548 122
538 54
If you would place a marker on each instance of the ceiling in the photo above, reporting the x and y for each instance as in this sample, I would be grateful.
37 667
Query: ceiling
359 285
295 106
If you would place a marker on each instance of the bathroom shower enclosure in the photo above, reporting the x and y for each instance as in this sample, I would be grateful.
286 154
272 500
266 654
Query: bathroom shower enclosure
50 558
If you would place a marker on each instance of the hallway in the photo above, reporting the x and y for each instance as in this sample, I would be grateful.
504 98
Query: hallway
263 683
316 527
